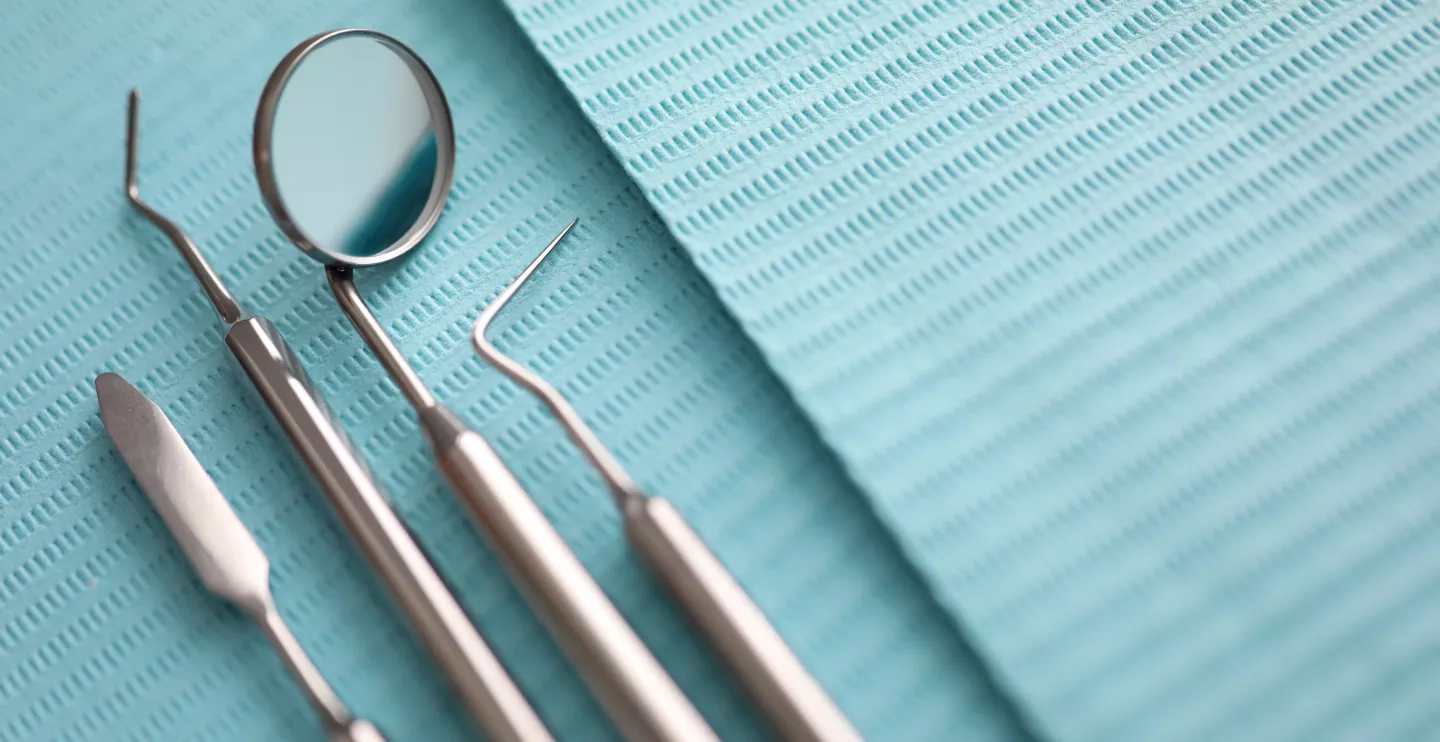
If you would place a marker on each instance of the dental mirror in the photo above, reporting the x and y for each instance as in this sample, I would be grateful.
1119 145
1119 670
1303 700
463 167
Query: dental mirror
355 154
354 148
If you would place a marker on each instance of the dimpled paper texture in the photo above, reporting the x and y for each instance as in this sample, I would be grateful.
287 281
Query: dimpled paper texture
1125 315
105 633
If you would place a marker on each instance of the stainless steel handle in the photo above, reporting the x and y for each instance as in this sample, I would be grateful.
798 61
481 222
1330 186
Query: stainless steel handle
735 627
744 638
636 691
486 689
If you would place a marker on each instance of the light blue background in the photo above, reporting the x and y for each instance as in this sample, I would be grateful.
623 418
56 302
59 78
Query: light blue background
1126 315
105 634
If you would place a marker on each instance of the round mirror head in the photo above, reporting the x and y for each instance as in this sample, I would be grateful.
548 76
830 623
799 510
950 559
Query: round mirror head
354 148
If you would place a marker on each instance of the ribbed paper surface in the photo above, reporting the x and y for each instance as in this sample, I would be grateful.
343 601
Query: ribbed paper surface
105 633
1126 315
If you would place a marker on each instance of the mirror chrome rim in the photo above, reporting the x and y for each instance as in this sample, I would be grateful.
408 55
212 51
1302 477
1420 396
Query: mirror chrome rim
444 137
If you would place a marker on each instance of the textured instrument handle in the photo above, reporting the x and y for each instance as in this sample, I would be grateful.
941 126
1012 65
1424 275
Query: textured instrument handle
794 702
492 698
635 690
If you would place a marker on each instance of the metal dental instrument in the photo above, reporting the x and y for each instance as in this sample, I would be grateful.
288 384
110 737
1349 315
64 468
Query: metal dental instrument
224 554
737 630
492 698
354 153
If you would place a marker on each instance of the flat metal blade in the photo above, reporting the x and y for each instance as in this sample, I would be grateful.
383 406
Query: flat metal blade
222 551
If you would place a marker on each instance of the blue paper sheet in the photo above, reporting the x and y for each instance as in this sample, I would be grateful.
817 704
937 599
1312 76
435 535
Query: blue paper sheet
104 631
1126 315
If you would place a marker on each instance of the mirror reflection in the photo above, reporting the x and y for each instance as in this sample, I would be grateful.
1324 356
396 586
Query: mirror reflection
354 148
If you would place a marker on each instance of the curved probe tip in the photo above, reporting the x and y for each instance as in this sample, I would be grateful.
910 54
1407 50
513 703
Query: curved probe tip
132 145
482 323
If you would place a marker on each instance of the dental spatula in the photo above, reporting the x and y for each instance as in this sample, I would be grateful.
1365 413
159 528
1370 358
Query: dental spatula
224 554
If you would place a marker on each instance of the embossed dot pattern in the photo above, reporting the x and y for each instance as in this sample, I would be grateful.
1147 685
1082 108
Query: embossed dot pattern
1125 315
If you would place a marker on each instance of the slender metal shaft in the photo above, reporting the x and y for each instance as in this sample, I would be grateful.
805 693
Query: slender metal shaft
633 687
342 284
321 696
737 630
219 296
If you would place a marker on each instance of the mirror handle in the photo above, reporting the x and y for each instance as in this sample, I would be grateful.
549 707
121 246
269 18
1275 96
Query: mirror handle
637 693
